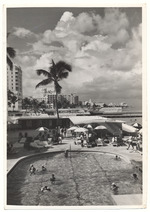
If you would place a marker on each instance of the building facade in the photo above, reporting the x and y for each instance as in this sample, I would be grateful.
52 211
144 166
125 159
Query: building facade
14 84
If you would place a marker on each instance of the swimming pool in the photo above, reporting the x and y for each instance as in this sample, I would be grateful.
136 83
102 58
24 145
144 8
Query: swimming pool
82 179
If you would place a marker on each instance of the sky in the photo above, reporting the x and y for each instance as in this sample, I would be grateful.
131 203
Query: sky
103 46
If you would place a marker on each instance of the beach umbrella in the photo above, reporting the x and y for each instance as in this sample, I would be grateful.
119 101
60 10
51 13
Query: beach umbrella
72 128
140 131
137 125
9 121
101 127
81 129
89 126
128 128
42 129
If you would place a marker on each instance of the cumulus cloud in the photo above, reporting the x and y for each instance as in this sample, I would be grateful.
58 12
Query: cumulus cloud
25 60
22 32
86 42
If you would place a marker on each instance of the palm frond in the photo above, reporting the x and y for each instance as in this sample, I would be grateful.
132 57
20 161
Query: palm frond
63 69
44 72
11 52
10 63
57 87
61 65
53 69
63 75
44 82
53 63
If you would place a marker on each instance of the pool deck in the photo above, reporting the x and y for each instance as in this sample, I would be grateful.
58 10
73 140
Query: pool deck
128 155
128 199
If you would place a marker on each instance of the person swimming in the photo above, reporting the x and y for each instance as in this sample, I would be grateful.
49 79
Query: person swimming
53 179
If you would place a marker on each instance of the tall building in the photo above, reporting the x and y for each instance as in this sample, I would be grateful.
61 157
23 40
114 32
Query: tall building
14 84
76 100
61 97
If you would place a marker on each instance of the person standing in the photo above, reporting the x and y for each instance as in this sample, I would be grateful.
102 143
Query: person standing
62 132
65 132
130 140
82 139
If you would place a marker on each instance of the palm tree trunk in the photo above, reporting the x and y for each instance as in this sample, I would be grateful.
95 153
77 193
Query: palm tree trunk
56 104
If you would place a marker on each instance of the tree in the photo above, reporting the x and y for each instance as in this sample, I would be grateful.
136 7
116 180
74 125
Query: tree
35 106
11 53
26 103
12 99
10 94
42 104
56 72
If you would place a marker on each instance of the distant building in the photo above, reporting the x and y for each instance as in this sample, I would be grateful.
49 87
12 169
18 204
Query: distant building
100 104
14 84
61 97
40 99
76 100
123 104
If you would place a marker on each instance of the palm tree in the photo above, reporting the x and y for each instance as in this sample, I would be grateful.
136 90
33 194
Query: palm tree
11 53
26 103
14 100
10 95
57 71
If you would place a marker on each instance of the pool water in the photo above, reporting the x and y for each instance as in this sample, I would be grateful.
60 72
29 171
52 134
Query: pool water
81 179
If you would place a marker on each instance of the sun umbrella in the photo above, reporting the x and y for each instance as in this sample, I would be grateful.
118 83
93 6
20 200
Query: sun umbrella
81 129
140 131
42 129
89 126
128 128
137 125
9 121
72 128
101 127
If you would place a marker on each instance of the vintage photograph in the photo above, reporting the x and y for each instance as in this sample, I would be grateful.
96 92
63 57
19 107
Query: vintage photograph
74 107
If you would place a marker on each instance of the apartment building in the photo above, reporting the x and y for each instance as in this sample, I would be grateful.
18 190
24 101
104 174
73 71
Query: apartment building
14 84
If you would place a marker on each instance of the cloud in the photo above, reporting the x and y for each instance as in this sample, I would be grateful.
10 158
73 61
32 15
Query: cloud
67 16
22 32
117 86
25 60
86 23
100 71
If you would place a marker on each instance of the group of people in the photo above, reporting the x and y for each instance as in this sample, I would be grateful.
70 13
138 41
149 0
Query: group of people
88 139
135 141
33 170
63 132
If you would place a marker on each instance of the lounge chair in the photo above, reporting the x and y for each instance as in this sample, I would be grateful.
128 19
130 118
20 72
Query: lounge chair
100 142
22 141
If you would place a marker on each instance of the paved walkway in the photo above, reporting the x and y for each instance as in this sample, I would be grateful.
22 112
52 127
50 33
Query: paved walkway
128 155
